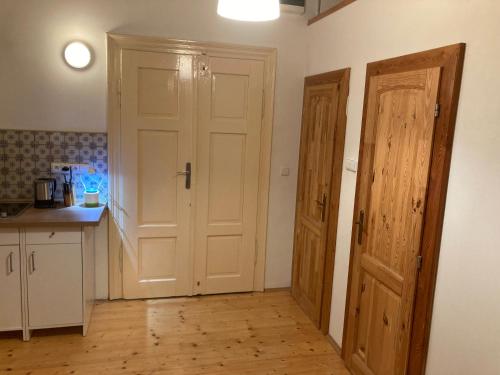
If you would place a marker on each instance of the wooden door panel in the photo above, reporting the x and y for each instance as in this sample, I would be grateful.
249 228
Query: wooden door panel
393 178
157 96
309 261
365 306
317 150
383 329
230 97
319 124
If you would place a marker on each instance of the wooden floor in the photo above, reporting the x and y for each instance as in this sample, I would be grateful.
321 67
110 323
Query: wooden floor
231 334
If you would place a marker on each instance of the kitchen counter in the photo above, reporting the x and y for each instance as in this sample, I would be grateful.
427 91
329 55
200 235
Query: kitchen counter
75 215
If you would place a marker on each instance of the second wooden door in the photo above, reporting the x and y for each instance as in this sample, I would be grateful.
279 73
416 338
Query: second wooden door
318 189
391 200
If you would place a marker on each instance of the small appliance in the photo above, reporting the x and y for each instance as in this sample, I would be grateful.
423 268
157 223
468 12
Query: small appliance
45 191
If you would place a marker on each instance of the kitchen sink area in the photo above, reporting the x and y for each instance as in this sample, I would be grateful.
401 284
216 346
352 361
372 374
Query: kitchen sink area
13 209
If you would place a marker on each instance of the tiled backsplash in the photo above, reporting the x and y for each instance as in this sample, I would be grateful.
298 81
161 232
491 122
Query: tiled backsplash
27 155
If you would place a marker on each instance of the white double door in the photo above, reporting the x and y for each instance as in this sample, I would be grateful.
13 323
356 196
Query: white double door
189 233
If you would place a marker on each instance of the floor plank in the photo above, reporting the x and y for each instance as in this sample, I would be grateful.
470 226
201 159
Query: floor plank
240 334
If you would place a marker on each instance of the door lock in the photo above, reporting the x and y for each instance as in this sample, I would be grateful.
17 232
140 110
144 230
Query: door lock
322 204
361 226
186 173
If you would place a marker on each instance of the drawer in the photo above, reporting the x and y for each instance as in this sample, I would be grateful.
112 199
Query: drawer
48 235
9 236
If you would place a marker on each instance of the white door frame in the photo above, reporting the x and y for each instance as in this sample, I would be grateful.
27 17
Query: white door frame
115 44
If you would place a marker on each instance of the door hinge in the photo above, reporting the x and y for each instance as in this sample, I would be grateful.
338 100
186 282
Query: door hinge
437 110
419 262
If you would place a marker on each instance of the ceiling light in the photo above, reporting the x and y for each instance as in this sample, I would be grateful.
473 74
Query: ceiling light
249 10
77 55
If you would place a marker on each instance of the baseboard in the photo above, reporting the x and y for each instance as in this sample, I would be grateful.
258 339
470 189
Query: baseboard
335 346
272 290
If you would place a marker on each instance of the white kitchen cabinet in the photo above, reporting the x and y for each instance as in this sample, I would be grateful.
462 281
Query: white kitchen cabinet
47 277
55 289
10 288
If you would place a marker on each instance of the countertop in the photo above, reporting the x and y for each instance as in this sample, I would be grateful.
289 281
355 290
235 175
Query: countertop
75 215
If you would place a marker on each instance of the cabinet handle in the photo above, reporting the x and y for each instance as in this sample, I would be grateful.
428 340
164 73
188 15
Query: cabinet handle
11 264
32 256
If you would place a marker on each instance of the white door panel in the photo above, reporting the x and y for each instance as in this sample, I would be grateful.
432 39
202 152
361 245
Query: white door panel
156 144
229 125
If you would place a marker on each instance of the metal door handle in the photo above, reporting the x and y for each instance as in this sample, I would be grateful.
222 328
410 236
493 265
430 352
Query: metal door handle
186 173
322 204
361 226
32 256
11 264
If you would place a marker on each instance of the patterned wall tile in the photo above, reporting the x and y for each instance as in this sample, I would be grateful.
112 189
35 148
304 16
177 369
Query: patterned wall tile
27 155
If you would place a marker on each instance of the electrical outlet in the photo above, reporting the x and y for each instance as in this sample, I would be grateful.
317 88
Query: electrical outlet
285 171
57 167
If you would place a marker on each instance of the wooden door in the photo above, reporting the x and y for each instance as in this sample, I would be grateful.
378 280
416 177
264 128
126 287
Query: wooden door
230 97
318 189
397 145
55 287
10 287
156 145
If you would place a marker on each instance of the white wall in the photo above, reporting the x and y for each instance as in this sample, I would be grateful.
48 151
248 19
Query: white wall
465 336
38 91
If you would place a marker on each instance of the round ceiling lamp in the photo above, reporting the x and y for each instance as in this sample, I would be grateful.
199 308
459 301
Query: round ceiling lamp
249 10
77 55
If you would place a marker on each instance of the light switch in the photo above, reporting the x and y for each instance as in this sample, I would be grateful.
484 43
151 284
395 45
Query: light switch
285 171
351 165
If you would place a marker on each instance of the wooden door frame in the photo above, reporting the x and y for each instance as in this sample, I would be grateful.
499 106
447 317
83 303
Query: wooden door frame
341 77
118 42
450 59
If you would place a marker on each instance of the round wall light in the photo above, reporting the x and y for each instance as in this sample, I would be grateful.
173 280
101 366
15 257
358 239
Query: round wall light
77 55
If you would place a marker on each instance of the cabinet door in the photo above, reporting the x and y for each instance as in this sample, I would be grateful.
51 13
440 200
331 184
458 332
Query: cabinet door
54 285
10 288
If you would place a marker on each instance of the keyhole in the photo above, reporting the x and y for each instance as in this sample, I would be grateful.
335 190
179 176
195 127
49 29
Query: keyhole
385 319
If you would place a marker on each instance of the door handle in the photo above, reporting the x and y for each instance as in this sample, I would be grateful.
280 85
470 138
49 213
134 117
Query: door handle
361 226
322 204
32 257
11 264
186 173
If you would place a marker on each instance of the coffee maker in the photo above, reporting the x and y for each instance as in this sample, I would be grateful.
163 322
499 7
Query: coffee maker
45 191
